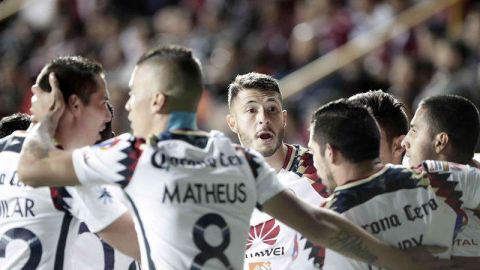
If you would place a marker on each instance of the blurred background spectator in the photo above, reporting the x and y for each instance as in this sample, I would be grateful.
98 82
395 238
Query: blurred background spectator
231 37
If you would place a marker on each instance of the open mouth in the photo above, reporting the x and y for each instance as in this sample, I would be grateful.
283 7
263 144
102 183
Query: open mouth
265 135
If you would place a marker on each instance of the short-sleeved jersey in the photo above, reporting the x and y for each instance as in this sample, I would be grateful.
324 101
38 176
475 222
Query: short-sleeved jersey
407 208
35 223
467 241
192 193
272 244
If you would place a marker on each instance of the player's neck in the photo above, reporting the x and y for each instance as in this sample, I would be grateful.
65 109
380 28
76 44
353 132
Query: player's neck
351 172
175 120
182 120
277 160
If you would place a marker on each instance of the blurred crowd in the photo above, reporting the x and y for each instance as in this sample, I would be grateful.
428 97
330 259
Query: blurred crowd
231 37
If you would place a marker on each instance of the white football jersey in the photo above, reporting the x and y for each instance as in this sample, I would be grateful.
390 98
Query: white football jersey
273 245
407 208
35 223
467 241
88 252
192 193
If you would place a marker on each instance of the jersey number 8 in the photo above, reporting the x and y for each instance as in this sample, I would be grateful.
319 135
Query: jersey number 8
207 251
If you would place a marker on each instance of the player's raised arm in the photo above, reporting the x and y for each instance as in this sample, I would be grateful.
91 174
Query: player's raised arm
337 233
41 164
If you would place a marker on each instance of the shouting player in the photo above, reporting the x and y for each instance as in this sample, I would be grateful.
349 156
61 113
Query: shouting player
257 117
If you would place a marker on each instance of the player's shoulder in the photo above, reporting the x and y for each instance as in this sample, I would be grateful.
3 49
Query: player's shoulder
180 138
390 179
123 141
299 160
441 167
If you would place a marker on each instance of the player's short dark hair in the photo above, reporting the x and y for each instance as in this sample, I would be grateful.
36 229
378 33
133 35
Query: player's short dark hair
11 123
252 80
76 76
348 127
184 71
456 116
387 110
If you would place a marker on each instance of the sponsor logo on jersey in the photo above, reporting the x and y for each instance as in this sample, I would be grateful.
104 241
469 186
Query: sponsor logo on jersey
465 242
108 144
260 266
105 196
266 232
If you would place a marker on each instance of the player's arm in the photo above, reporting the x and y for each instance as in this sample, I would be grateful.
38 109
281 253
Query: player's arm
337 233
122 236
41 164
466 263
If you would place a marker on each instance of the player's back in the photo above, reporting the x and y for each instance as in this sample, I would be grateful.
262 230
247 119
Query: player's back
401 206
32 231
199 187
192 193
36 223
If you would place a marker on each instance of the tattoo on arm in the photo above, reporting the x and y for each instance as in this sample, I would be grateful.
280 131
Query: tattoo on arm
346 243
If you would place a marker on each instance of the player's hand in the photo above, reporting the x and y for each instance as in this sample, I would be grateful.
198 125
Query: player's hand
421 258
57 104
48 107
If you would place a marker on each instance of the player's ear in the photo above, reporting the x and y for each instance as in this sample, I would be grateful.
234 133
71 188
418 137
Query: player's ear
397 149
74 104
440 142
159 103
232 124
331 154
285 115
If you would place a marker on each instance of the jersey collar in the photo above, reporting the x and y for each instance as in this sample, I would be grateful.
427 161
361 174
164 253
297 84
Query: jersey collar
182 120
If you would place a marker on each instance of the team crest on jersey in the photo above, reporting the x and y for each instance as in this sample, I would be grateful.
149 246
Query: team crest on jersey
108 144
260 266
266 232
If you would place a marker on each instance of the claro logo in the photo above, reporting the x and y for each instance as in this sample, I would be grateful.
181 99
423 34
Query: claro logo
266 232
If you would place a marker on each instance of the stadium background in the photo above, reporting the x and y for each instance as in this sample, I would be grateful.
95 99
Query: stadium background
440 52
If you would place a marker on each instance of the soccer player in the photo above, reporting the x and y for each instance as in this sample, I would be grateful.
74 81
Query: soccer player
404 207
88 250
192 192
392 119
257 117
36 224
11 123
446 127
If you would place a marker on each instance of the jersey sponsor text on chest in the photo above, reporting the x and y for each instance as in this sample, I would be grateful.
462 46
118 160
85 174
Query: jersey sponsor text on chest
411 213
10 180
162 161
